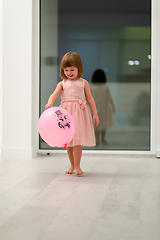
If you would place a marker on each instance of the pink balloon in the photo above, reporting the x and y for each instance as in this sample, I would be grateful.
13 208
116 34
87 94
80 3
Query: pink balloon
56 126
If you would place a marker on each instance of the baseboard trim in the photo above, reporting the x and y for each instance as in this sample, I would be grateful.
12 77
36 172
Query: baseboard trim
12 153
158 153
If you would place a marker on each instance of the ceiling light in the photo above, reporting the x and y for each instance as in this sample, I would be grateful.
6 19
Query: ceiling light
131 62
136 62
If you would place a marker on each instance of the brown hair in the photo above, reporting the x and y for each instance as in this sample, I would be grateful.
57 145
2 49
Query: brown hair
99 76
71 59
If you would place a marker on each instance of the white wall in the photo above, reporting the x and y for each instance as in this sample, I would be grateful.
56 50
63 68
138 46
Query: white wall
156 72
0 75
18 88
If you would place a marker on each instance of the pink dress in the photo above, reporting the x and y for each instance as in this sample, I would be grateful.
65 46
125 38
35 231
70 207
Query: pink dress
73 100
99 93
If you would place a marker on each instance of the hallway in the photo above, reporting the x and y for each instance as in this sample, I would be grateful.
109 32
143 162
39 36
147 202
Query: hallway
117 198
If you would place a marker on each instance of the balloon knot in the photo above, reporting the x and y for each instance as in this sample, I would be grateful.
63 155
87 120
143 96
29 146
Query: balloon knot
65 146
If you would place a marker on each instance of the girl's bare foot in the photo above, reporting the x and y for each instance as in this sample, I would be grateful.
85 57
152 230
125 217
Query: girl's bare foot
70 170
78 170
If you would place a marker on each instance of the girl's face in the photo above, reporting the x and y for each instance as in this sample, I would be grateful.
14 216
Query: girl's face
71 73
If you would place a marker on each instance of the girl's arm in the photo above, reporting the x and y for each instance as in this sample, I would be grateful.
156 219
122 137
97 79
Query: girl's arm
53 97
91 102
111 100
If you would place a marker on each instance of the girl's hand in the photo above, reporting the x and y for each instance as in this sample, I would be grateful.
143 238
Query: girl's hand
96 119
53 97
48 106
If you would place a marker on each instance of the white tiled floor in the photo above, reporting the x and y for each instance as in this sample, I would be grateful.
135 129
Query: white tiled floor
117 198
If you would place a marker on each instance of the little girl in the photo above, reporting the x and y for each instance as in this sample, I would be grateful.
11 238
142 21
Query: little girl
74 90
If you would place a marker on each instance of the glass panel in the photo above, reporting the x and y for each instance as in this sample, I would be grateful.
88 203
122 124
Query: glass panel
115 38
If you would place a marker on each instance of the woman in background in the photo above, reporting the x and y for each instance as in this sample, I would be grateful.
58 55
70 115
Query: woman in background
104 103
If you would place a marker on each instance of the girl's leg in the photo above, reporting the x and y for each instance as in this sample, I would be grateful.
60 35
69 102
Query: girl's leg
77 153
71 159
103 137
97 136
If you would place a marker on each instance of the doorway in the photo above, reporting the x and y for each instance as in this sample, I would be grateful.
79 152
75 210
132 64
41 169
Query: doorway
109 36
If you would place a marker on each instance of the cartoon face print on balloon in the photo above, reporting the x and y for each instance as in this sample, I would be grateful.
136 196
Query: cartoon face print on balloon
56 127
63 119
